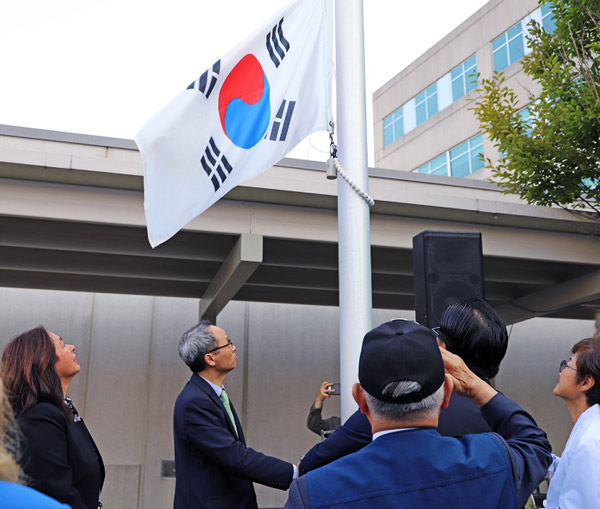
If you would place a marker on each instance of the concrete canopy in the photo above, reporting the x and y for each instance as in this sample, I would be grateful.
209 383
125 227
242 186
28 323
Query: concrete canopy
72 218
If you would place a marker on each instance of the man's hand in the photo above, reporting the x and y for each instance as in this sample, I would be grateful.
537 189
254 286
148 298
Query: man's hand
465 382
324 392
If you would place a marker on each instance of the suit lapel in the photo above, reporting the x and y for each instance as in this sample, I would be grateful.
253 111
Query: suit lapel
204 386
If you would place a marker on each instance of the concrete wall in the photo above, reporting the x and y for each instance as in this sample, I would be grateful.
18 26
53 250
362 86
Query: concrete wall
131 375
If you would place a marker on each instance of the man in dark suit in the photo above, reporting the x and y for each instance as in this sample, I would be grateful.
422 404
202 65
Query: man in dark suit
213 466
405 379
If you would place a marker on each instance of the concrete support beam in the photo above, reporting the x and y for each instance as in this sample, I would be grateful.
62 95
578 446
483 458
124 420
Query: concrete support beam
575 291
242 261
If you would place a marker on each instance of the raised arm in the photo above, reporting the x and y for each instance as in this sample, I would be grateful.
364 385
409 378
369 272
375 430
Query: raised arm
525 443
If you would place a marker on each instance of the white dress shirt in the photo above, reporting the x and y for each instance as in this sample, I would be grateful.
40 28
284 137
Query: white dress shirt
575 483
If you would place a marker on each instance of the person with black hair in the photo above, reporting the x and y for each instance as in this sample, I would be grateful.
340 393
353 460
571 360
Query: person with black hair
315 421
470 329
575 476
473 331
405 379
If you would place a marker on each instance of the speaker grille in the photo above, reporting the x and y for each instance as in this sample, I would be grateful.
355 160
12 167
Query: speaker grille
448 269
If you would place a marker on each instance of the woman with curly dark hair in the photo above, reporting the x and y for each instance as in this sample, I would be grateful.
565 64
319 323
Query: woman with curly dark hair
59 455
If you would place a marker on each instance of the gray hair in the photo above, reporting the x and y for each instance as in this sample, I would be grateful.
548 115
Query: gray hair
195 344
427 408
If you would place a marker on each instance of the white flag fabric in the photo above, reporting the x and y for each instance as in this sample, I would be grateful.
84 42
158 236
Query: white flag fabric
239 118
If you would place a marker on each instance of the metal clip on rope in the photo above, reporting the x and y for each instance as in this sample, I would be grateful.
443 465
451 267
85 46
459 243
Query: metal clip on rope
334 168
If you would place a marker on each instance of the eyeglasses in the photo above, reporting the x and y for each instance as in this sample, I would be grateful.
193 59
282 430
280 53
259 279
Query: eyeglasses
229 343
436 331
563 365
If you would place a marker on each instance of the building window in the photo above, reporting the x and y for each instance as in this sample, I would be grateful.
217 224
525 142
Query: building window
526 117
508 48
460 161
548 20
439 166
426 104
393 126
464 78
465 158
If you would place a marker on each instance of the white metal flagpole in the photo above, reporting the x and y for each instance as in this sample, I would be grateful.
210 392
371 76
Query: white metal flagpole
353 213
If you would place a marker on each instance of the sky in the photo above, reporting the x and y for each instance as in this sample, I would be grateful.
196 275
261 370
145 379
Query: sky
105 67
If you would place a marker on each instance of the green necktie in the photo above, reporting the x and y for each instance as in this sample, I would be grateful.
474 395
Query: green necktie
225 400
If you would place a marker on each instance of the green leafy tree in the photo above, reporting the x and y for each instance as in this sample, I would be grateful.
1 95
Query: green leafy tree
553 156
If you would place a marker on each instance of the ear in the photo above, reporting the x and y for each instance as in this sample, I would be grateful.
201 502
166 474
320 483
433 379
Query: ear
442 345
209 360
359 396
447 390
587 383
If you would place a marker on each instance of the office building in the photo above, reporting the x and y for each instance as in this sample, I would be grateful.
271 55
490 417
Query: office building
423 121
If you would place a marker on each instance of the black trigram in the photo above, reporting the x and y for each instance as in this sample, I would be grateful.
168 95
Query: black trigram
277 44
281 124
206 83
215 164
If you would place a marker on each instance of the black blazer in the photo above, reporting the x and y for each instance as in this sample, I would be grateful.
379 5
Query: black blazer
60 458
213 467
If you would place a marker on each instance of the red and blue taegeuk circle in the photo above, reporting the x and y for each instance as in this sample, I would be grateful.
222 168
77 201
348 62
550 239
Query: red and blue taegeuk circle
244 103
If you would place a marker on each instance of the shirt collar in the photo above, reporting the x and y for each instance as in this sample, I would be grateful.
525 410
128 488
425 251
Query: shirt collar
387 431
218 390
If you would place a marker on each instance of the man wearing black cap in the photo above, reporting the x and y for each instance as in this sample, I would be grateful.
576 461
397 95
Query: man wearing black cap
403 386
473 331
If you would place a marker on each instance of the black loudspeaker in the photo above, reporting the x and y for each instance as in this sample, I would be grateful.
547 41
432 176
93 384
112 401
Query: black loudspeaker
448 269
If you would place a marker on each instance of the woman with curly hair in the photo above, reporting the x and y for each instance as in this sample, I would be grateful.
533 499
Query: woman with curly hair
59 456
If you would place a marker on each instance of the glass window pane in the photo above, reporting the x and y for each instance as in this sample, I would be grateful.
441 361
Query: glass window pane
432 89
438 161
457 89
424 169
432 106
456 72
515 48
388 134
438 165
475 141
398 128
442 170
470 62
514 31
420 97
546 8
476 162
387 121
460 166
500 59
591 183
421 113
471 80
549 24
457 151
498 42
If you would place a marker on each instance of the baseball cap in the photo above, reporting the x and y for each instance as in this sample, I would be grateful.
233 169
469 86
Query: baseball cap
400 350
